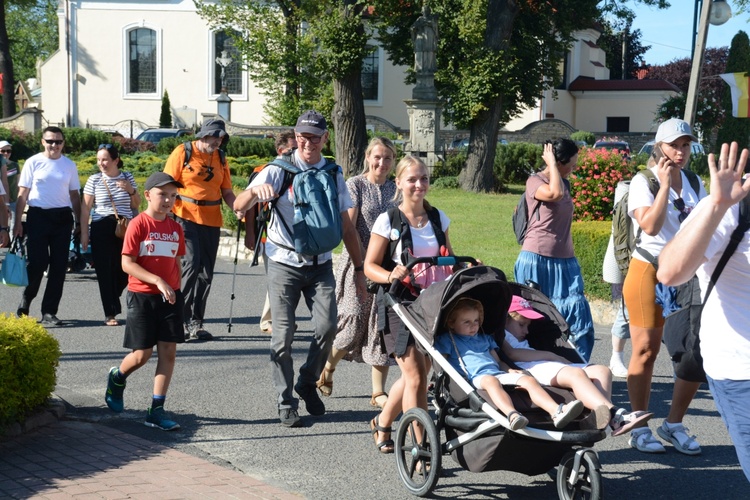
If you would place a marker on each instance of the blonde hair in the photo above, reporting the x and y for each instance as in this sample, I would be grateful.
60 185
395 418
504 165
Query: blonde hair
515 315
465 304
375 142
406 162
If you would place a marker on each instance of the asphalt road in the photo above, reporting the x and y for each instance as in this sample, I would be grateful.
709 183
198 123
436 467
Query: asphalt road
222 396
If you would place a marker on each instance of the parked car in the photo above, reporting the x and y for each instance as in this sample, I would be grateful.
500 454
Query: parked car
156 134
696 148
463 144
621 146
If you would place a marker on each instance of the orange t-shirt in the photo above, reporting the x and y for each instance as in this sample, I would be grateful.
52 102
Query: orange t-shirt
204 178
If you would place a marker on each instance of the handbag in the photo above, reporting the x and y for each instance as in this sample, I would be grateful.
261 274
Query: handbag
14 266
122 222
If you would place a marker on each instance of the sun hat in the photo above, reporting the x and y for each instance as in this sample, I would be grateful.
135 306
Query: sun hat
521 306
673 129
212 128
311 122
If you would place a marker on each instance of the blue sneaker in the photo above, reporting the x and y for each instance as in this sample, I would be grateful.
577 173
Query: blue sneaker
157 418
113 396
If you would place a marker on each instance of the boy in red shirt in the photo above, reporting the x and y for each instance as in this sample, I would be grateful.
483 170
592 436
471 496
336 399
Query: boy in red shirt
151 254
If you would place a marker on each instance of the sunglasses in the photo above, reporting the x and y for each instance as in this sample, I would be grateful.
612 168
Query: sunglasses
6 151
104 146
679 205
55 142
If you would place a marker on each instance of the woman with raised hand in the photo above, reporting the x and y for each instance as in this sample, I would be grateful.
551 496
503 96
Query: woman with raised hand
409 391
107 195
357 338
547 256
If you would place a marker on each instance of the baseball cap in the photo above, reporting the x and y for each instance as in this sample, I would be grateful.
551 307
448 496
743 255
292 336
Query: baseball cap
5 144
158 179
311 122
673 129
212 128
521 306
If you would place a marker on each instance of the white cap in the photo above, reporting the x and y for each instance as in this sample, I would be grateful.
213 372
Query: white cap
4 144
673 129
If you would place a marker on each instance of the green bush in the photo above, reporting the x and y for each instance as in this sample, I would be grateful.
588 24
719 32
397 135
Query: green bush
248 146
28 358
446 183
452 166
581 135
82 140
699 164
590 241
167 145
514 163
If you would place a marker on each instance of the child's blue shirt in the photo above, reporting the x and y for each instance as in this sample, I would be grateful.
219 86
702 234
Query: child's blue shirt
475 351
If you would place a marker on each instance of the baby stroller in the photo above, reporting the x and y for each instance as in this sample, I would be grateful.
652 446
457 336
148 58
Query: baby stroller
477 436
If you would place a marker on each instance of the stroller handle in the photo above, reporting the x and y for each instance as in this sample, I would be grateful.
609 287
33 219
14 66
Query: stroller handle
450 260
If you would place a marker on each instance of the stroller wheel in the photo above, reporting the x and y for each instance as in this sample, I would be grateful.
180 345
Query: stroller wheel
583 467
418 452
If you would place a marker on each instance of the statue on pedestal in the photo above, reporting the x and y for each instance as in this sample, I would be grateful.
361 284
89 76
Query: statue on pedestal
424 35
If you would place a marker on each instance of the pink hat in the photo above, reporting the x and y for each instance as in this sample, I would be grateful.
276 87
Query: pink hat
521 306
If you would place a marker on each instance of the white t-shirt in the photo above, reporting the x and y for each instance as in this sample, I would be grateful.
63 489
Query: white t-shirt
543 371
424 242
276 231
49 181
640 196
725 322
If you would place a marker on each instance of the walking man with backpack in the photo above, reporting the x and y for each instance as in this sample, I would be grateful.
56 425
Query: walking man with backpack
698 248
202 168
299 266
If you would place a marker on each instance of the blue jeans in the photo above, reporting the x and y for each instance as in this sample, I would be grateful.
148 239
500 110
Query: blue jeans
286 284
733 404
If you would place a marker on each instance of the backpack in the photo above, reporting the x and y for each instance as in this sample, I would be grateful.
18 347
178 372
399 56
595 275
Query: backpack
189 153
622 224
682 327
317 227
260 213
521 217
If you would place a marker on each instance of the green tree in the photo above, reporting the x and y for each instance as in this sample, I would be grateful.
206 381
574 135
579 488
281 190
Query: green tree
316 50
165 117
735 129
32 31
611 43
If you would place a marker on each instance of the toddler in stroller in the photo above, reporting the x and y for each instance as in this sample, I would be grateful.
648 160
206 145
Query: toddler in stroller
475 354
478 436
592 384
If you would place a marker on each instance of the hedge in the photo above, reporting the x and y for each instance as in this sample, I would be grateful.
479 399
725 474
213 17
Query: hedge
590 240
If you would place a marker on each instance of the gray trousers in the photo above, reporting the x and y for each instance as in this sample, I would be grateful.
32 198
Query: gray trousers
286 284
201 246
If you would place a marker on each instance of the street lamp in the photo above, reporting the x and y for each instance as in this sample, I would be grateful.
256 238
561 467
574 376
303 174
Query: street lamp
717 12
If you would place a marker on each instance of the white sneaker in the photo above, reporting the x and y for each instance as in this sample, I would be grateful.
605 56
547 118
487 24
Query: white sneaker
618 368
566 413
680 439
642 440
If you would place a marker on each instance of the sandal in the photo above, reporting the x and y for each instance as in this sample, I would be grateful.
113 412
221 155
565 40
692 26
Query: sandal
325 386
385 446
111 321
374 399
517 421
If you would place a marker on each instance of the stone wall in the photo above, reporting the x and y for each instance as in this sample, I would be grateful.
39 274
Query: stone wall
27 120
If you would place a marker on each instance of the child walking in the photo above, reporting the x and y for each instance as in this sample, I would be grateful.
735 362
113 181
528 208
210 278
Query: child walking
474 354
151 252
592 384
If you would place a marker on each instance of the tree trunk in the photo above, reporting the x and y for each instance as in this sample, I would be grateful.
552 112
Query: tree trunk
6 65
478 174
349 123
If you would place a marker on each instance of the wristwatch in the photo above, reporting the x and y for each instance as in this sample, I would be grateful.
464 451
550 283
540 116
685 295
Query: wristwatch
5 229
358 269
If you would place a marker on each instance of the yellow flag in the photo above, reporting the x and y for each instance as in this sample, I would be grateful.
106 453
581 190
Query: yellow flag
738 84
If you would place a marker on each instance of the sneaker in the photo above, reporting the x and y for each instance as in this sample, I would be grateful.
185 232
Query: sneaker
313 403
566 413
617 367
642 440
113 396
191 332
290 418
23 308
157 418
680 439
623 421
51 320
202 334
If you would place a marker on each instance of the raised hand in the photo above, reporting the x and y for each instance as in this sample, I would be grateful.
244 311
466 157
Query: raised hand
727 187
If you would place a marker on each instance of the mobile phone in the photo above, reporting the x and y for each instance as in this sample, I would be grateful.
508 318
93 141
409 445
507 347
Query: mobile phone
658 154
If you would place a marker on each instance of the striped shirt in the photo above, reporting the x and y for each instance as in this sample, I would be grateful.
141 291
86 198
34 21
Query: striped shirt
102 202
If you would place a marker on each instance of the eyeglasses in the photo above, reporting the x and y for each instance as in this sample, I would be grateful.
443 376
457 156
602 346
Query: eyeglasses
679 205
55 142
3 151
312 140
104 146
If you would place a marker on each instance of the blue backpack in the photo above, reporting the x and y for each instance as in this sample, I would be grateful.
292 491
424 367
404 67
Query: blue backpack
317 226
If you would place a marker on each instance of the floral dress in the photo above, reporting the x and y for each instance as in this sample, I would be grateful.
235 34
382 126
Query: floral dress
357 331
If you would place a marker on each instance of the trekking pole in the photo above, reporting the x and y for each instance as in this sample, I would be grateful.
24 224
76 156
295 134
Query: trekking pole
234 273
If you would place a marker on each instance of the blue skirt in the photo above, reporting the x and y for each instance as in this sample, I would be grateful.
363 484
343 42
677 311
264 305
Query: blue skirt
562 282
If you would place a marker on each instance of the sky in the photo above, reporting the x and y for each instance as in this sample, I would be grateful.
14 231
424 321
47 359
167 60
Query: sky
669 31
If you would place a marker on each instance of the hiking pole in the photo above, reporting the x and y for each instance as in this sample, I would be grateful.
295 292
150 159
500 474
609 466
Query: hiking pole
234 273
